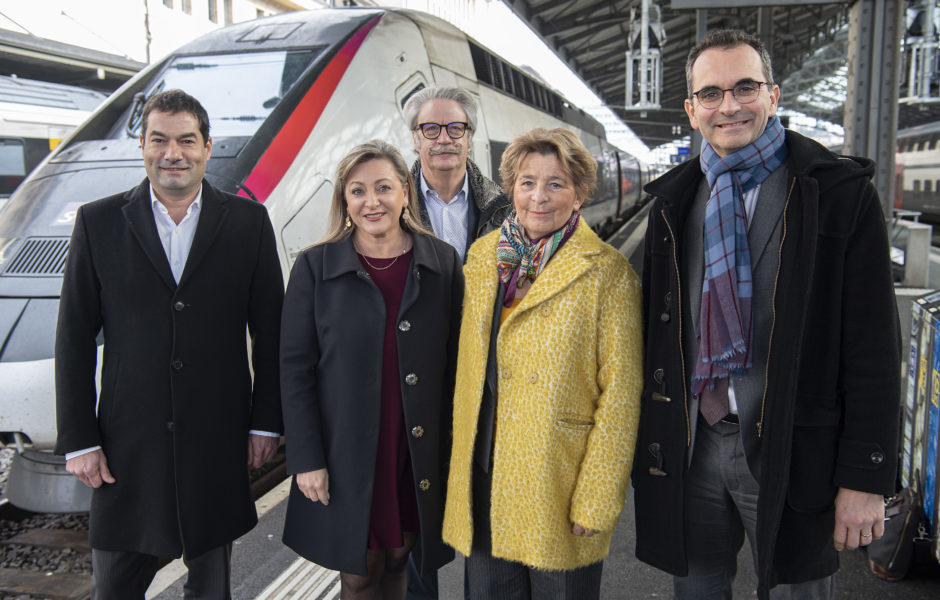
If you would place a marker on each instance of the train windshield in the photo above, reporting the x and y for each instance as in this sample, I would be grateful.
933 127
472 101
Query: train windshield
239 91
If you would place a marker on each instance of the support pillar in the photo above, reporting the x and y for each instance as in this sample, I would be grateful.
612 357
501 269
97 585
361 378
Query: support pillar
871 105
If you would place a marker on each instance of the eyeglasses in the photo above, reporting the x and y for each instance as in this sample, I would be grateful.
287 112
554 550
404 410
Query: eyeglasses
432 131
745 93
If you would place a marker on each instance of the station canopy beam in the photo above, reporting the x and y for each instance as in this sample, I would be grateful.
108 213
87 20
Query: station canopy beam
807 39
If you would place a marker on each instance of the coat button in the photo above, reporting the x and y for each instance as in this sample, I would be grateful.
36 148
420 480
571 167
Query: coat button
405 325
417 274
664 317
363 274
417 431
545 311
170 425
425 485
533 377
178 306
877 457
505 374
411 379
658 375
177 364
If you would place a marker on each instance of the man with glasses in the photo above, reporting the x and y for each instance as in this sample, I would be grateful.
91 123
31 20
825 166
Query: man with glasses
457 202
772 360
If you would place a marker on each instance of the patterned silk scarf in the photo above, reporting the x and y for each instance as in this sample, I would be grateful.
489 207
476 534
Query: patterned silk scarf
724 336
518 258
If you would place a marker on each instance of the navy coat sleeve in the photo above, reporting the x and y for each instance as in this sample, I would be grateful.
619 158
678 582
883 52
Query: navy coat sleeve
264 324
300 354
870 357
75 348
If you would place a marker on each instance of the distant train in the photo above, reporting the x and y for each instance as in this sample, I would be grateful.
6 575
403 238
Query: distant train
917 171
34 117
287 96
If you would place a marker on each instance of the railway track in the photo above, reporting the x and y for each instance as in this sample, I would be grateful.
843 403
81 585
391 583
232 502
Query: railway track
46 556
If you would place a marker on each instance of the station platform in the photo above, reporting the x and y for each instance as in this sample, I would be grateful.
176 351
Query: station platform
264 569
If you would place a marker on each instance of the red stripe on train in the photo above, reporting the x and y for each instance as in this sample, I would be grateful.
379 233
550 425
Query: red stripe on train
287 143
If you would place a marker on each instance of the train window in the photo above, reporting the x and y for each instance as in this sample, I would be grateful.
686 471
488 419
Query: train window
916 185
234 109
933 144
415 90
927 186
12 165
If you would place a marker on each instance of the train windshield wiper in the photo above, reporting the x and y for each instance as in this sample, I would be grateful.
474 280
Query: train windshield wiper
192 66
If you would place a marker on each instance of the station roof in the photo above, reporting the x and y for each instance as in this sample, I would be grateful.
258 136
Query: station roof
36 58
808 45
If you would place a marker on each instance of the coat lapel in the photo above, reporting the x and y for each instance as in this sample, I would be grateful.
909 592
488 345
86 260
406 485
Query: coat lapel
138 213
211 217
767 212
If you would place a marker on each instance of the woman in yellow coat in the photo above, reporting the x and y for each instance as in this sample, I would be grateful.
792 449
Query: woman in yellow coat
548 385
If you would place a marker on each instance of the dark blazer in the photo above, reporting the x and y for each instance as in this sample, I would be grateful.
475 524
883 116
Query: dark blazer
177 399
332 333
829 410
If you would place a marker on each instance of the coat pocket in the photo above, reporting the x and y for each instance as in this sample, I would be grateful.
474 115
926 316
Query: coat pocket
574 422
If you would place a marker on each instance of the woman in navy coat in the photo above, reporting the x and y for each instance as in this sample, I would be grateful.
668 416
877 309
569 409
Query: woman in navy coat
368 349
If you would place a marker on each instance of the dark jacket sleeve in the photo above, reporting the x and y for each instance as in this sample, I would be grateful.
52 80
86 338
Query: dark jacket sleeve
75 348
264 324
300 353
870 356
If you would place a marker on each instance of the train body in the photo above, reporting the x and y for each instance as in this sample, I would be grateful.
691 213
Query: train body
287 97
34 117
917 171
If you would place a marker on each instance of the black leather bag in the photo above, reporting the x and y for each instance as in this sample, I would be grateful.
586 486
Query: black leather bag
890 556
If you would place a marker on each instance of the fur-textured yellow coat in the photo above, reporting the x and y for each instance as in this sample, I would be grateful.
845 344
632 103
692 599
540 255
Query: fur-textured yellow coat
569 361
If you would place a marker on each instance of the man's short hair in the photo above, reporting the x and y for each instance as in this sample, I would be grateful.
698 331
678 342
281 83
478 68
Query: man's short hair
727 39
172 102
458 95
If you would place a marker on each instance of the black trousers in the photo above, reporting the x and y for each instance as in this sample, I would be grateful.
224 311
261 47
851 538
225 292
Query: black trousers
122 575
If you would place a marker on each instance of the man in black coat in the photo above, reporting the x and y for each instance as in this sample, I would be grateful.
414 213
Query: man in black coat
172 274
772 385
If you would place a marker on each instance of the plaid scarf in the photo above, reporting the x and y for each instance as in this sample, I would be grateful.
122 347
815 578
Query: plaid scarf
724 336
518 258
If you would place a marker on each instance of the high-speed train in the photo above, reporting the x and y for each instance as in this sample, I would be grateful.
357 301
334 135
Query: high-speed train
287 97
34 117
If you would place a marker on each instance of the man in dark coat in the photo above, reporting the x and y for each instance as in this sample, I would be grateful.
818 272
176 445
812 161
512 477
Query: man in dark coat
171 273
795 444
457 202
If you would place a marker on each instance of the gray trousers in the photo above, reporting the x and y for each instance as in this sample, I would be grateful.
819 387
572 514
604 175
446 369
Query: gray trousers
721 508
493 578
121 575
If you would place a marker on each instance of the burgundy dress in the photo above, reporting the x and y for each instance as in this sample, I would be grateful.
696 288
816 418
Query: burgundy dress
394 503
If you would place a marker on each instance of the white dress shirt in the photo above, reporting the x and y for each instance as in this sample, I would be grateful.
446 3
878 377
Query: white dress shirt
449 220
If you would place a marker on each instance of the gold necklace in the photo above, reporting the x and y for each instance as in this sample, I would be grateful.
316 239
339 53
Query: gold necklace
375 268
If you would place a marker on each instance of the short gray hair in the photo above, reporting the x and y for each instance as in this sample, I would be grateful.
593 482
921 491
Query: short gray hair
458 95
